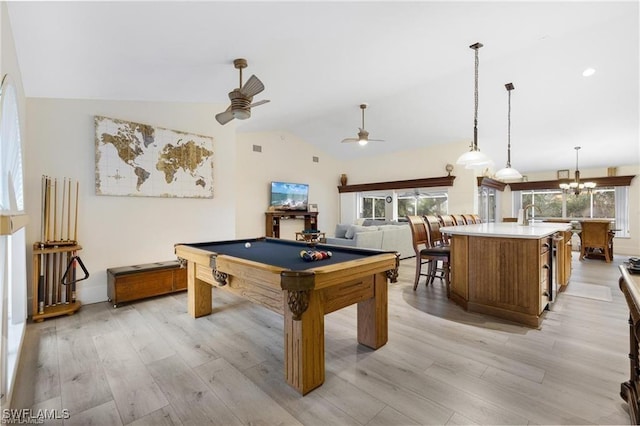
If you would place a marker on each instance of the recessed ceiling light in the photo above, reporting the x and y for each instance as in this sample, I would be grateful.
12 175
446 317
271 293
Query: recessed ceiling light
588 72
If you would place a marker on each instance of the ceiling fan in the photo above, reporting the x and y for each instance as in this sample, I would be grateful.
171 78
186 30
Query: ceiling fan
363 135
242 97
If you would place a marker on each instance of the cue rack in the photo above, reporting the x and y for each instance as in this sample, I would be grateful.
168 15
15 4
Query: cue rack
55 258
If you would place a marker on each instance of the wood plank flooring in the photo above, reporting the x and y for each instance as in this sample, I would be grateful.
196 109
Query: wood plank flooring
149 363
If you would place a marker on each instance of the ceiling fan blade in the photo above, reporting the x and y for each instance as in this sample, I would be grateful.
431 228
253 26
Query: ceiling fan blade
376 140
252 87
350 140
225 117
259 103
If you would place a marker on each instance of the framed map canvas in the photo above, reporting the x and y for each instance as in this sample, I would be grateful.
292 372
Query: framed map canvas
135 159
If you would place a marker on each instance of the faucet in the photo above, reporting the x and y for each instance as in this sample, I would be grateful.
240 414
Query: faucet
526 211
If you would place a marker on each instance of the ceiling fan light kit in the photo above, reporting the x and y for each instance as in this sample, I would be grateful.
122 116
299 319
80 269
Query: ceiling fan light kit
508 173
474 159
363 135
242 97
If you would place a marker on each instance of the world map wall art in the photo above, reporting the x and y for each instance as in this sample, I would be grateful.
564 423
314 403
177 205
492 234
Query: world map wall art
135 159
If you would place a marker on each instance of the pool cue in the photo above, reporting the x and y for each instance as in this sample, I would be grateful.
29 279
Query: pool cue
49 282
64 199
75 231
62 237
54 256
47 224
55 209
47 209
41 272
69 211
47 279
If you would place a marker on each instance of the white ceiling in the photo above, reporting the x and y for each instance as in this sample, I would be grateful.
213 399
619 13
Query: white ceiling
410 61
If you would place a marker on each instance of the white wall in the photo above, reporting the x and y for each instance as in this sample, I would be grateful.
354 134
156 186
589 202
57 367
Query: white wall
623 246
284 158
421 163
119 231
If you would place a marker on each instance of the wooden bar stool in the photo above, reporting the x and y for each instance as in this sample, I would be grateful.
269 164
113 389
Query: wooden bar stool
439 251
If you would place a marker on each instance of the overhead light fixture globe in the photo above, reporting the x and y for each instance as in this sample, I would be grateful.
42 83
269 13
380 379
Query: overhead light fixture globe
241 114
474 159
508 173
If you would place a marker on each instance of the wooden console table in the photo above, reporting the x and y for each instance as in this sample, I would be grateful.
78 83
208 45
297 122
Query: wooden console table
630 390
272 221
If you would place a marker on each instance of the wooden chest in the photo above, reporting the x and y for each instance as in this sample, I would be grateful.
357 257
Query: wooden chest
135 282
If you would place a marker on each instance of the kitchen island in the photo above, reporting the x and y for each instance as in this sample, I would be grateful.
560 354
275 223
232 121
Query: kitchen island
508 270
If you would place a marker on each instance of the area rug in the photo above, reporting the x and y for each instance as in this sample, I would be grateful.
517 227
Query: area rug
589 291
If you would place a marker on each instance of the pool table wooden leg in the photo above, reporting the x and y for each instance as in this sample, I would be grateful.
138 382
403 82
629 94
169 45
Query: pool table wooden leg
372 316
304 346
198 294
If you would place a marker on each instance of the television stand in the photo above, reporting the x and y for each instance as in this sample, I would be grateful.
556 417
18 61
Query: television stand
272 220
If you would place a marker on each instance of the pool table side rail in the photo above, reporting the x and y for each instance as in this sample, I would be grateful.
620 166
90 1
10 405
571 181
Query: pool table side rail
384 261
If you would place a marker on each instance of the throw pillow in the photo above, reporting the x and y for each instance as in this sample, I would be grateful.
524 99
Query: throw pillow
341 230
354 229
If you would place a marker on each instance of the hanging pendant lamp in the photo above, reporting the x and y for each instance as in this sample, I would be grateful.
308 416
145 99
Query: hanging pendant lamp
474 159
508 173
576 186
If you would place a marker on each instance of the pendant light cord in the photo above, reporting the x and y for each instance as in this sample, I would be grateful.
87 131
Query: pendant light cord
475 94
509 131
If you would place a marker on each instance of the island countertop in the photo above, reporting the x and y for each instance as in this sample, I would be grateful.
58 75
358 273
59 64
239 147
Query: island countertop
508 230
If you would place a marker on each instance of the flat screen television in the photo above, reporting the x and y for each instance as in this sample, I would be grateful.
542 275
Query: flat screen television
289 196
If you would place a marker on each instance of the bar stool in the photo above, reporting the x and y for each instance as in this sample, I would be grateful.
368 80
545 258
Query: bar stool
440 251
459 219
420 239
469 219
447 220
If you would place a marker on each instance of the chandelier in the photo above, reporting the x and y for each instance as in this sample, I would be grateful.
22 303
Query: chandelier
576 187
508 173
474 159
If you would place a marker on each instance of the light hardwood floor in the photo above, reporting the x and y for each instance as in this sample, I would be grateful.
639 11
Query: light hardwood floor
149 363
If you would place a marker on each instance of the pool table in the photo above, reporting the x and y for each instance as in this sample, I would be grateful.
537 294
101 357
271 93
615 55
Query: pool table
271 273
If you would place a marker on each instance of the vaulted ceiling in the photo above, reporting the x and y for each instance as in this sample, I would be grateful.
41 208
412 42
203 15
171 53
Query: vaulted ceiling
410 61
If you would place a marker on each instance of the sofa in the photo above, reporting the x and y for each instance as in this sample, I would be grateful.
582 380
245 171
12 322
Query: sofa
380 235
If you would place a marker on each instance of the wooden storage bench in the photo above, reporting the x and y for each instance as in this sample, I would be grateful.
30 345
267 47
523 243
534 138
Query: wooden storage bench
135 282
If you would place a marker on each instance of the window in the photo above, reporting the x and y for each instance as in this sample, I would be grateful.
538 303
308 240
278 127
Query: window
13 270
548 203
487 202
601 203
372 207
421 201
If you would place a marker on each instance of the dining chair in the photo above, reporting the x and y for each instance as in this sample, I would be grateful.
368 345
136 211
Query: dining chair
596 240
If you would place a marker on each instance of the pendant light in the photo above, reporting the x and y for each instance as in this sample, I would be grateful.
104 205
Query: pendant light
508 173
474 159
576 187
